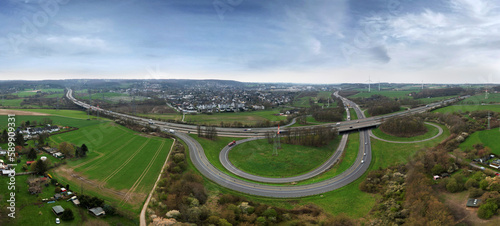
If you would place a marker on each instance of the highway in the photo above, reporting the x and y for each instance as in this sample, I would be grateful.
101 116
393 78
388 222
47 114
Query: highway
200 161
344 126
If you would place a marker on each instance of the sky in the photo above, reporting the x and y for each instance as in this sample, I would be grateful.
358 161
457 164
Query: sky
321 41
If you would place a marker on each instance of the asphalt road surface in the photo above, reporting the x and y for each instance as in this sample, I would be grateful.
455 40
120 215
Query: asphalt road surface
206 168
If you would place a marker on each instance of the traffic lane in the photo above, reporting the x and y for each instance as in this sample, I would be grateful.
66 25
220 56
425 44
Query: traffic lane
215 175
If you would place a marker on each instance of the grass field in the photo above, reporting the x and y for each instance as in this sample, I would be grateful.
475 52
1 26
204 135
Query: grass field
12 102
434 99
391 94
107 96
119 158
481 98
465 108
431 131
255 157
348 158
304 101
487 137
172 116
386 154
248 118
57 120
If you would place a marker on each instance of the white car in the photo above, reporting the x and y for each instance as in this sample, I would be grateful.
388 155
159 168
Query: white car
58 221
362 161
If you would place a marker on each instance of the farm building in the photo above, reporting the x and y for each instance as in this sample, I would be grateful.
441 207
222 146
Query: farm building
58 210
97 211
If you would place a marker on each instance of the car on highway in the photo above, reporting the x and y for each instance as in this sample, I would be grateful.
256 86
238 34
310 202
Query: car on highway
357 121
362 161
350 127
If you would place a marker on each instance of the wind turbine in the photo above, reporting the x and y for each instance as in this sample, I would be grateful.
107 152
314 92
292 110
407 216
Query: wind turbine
369 83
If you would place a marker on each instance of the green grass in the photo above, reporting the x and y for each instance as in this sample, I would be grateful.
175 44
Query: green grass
113 147
31 211
170 116
57 120
353 114
212 149
248 118
434 99
480 98
12 102
255 157
348 158
487 137
386 154
115 152
304 101
465 108
431 131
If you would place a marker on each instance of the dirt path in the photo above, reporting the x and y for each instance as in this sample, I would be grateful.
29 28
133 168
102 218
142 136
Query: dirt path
17 112
72 175
143 211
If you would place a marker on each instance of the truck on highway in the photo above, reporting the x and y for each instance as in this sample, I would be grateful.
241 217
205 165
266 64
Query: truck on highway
231 143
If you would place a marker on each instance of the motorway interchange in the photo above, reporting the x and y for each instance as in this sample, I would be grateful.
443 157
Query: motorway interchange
208 170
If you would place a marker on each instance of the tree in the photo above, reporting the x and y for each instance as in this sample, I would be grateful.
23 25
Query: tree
41 166
452 185
42 138
5 136
19 139
487 210
67 149
67 215
32 154
83 150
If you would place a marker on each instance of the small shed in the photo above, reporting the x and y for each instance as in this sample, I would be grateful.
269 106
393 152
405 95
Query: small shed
58 210
473 203
57 196
76 202
97 211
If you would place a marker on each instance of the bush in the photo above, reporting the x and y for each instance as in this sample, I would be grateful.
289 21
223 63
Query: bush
475 192
487 210
67 215
453 186
471 183
407 126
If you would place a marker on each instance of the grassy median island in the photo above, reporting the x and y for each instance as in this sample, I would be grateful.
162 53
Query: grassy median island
431 131
256 157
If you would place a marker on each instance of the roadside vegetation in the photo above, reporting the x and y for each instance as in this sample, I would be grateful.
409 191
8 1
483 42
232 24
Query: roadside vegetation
405 126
